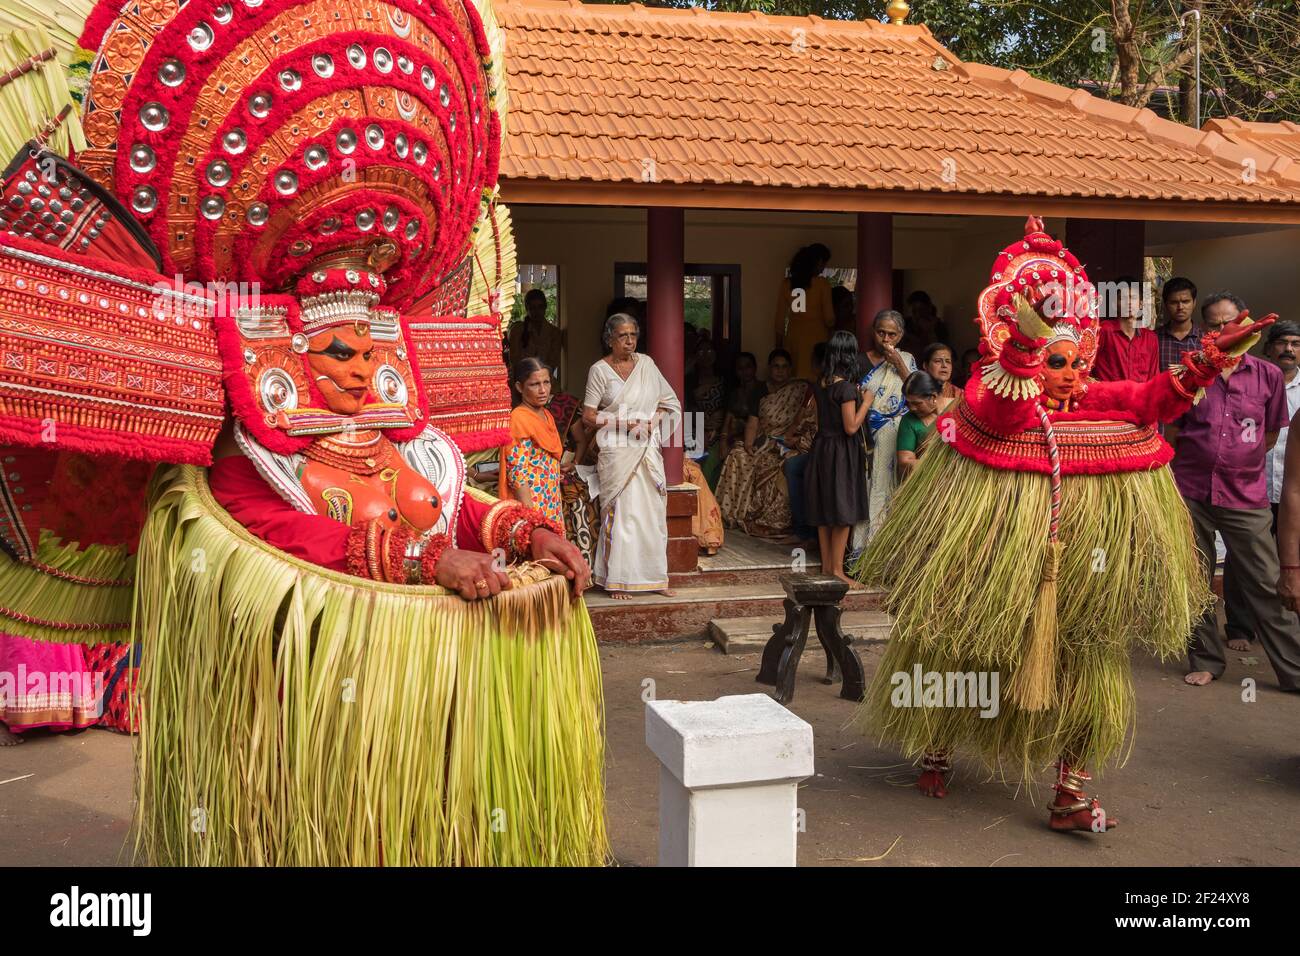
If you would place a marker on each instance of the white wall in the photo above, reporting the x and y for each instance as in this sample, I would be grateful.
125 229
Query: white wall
1264 269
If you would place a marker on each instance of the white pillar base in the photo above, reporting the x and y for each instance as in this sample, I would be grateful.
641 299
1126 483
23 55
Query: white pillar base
729 778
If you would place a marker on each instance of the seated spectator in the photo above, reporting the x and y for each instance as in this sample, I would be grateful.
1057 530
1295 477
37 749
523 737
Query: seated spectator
936 360
1126 352
744 391
752 490
923 395
706 395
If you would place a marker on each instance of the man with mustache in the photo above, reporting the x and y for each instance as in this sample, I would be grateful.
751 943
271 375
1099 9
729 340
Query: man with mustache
1220 446
1282 348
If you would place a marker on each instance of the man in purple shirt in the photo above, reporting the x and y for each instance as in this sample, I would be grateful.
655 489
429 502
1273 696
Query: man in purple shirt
1220 446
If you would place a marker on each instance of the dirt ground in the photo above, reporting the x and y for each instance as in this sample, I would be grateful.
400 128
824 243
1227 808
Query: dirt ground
1212 780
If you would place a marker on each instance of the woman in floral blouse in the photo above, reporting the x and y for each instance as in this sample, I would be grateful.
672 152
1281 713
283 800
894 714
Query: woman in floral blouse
530 464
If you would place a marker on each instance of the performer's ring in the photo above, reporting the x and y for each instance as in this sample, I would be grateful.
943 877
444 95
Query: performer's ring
481 584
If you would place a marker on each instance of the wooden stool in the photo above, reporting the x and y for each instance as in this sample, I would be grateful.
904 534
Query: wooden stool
811 597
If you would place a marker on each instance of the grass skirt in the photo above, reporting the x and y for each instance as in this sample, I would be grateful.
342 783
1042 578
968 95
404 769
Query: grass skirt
961 556
297 716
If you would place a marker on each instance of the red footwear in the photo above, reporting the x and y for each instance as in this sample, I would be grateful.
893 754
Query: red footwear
931 782
1073 809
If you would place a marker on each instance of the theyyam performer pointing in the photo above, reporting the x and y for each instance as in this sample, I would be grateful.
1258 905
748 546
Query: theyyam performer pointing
1041 538
347 658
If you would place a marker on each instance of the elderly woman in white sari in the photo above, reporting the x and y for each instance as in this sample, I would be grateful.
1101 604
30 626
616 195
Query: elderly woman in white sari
884 368
634 408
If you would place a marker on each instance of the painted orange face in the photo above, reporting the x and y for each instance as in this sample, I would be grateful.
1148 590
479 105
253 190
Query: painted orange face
339 359
1063 370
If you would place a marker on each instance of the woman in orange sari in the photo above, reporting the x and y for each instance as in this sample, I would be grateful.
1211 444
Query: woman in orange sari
530 464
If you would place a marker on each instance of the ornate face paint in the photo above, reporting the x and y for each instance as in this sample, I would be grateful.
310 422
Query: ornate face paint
1063 370
339 359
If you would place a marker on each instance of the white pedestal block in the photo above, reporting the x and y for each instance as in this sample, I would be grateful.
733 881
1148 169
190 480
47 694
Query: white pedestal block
729 779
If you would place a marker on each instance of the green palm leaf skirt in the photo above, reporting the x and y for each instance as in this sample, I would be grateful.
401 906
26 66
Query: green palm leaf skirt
296 716
961 555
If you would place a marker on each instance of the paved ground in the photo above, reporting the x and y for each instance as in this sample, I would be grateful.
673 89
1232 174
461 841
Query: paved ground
1212 780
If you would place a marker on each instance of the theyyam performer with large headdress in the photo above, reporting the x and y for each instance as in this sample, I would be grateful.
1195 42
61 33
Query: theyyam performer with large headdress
250 300
1041 539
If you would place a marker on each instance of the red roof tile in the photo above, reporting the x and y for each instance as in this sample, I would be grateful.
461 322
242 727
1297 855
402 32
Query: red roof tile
745 100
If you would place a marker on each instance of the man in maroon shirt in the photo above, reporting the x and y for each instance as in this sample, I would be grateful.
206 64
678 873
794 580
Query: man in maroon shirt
1220 446
1125 351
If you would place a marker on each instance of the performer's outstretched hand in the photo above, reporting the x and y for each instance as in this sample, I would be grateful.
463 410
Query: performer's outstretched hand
1240 335
563 557
470 574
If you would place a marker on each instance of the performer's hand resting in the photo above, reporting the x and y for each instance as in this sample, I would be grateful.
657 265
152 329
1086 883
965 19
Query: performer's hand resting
563 557
470 574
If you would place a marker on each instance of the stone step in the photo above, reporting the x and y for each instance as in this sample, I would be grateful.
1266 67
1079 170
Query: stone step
743 634
686 615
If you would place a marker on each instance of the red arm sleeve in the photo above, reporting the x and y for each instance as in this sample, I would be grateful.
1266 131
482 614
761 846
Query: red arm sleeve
469 523
1151 402
252 502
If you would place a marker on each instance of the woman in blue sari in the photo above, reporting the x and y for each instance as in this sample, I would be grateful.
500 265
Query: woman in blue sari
884 368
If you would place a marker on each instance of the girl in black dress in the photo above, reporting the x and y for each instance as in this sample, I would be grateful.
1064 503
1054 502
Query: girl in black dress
835 484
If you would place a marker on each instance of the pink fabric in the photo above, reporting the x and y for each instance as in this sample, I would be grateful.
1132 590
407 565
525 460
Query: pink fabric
47 685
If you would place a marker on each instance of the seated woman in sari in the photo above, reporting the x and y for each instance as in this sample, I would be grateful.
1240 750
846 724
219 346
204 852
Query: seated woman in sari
632 405
530 464
706 399
883 373
752 490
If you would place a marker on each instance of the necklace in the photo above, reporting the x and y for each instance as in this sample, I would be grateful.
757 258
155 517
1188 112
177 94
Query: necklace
365 454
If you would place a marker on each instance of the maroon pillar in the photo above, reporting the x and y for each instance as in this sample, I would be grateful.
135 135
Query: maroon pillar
875 286
665 277
1108 248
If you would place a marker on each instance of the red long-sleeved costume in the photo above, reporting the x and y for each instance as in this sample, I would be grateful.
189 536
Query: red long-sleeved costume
1108 429
252 502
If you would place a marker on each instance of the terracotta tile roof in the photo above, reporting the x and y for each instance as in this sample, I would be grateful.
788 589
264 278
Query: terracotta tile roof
1282 139
654 100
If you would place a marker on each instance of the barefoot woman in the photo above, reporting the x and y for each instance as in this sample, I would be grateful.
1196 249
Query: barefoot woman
633 406
836 480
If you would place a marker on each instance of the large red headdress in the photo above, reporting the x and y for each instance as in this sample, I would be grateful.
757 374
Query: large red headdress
1042 271
253 171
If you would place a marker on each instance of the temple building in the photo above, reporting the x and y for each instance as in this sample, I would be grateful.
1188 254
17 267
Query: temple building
646 147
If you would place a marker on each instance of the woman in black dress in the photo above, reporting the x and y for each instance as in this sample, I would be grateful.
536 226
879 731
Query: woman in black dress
835 483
